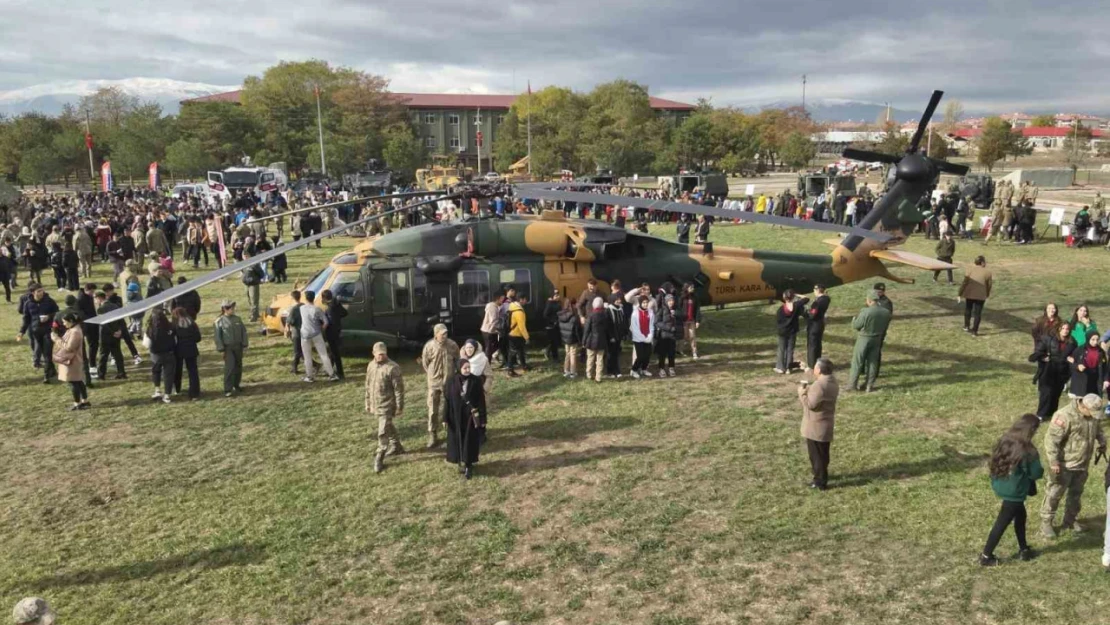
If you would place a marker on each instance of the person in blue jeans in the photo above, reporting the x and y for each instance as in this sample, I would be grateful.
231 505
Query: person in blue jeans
1015 467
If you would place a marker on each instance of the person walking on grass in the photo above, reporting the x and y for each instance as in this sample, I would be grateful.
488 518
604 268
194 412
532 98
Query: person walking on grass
871 323
465 417
1053 369
1069 446
231 340
946 249
1015 467
186 352
69 355
313 325
438 361
161 340
976 288
385 399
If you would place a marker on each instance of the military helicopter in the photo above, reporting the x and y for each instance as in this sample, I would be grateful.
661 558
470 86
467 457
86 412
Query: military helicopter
399 285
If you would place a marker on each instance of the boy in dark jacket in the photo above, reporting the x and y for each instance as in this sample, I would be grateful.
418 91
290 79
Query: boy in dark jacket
551 309
595 338
570 333
786 321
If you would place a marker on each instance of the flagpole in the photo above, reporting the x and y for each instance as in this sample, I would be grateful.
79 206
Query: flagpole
529 127
88 144
320 129
478 139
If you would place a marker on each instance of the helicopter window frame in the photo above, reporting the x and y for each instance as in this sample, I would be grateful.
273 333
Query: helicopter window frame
400 286
513 280
357 295
480 288
317 282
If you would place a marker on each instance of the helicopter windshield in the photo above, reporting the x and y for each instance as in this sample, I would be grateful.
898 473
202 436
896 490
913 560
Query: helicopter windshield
316 284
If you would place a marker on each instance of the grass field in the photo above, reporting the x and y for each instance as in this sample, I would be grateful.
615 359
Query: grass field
667 503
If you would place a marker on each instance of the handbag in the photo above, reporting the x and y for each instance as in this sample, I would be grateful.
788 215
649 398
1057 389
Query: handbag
147 342
1032 489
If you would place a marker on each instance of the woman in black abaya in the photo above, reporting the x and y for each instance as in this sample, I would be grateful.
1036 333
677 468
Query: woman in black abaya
466 417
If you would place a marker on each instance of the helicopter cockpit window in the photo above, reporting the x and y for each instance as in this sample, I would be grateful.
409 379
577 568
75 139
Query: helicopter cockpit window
519 279
400 280
349 258
316 284
473 288
347 287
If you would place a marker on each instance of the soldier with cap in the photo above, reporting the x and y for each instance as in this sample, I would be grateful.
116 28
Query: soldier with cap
385 399
438 360
1069 446
231 340
884 301
871 323
33 611
997 209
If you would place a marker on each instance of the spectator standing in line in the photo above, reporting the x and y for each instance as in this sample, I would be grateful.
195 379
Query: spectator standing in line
787 322
110 336
689 316
667 328
595 338
818 418
570 332
642 325
333 333
231 340
1053 369
815 326
1015 467
186 352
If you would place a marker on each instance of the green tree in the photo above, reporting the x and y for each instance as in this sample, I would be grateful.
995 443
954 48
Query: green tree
953 113
39 165
188 158
692 143
1077 146
775 125
226 131
140 141
621 131
995 143
1043 121
798 150
556 115
22 134
404 152
894 141
938 146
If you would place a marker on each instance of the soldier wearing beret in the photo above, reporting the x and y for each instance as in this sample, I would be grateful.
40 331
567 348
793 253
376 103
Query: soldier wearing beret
385 399
1069 446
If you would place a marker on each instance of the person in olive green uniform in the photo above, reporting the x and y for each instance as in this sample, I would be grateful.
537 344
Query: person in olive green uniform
946 249
385 399
884 301
997 209
871 323
1069 446
231 340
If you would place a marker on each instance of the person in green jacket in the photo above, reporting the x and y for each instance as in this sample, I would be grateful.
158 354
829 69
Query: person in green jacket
1015 468
231 340
871 323
1082 325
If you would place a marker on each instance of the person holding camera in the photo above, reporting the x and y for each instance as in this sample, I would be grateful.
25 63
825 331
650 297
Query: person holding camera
818 415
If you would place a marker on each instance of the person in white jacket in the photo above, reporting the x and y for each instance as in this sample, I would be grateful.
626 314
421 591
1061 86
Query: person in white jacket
642 325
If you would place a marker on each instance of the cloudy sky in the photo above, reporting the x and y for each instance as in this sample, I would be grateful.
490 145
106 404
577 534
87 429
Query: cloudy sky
991 54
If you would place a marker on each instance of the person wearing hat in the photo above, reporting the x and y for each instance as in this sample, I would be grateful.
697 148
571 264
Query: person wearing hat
884 301
438 361
32 611
231 340
385 399
1069 445
871 323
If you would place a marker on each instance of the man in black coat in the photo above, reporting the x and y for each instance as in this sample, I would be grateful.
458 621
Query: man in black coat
110 336
815 325
189 301
333 333
86 305
38 315
595 338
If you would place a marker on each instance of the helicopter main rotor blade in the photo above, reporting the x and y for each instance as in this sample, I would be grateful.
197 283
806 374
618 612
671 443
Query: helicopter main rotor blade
951 168
229 270
924 123
358 200
868 156
695 209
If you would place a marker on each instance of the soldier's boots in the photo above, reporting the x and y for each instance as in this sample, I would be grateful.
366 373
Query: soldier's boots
1046 529
379 462
432 440
395 450
1071 525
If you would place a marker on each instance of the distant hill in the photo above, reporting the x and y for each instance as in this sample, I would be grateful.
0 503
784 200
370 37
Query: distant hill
49 98
832 110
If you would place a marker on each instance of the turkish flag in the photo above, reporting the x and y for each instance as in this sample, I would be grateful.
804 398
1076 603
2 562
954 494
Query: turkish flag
88 141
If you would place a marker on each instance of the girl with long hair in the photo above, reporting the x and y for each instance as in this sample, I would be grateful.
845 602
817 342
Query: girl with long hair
1015 468
161 339
186 352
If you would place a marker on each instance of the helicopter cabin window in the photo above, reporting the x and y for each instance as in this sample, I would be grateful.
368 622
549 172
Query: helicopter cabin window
429 118
419 289
453 119
347 287
519 279
473 288
400 280
346 259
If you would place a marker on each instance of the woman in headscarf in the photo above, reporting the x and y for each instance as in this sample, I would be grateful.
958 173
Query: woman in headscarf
1088 368
465 417
479 366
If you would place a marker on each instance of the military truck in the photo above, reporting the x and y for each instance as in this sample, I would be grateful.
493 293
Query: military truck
374 179
711 183
979 188
812 185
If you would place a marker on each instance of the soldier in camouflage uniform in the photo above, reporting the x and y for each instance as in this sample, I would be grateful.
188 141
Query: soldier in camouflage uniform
1069 445
438 360
385 399
997 210
231 339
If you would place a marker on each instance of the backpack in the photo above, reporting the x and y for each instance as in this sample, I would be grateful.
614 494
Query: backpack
250 276
504 322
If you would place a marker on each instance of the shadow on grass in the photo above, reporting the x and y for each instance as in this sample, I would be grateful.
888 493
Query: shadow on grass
940 362
568 429
950 461
237 554
1091 539
520 466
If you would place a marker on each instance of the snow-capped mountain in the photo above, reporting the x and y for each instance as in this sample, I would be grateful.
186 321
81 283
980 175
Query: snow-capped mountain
50 97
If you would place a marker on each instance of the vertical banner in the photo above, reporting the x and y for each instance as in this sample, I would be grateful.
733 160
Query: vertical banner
219 221
154 179
106 176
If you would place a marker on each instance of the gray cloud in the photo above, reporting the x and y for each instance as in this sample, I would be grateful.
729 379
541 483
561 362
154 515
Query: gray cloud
992 55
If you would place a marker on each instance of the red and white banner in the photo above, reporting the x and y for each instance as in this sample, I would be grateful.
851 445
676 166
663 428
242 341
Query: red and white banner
220 237
154 179
106 176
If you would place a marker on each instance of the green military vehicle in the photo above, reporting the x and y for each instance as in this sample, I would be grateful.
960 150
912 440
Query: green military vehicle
812 185
711 183
979 188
